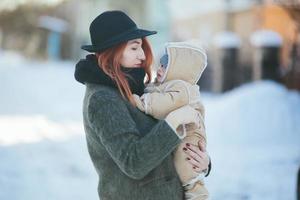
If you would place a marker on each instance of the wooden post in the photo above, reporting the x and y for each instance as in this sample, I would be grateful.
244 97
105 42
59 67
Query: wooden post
292 76
228 44
266 64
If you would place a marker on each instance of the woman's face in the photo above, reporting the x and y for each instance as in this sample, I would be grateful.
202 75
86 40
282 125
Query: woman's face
133 55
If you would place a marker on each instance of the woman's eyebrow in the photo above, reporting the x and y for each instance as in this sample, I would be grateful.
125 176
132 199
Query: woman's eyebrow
135 41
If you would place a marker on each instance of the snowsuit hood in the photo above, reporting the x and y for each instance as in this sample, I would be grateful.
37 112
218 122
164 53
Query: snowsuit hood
186 61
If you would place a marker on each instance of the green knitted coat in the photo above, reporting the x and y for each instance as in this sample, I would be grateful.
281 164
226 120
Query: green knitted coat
131 151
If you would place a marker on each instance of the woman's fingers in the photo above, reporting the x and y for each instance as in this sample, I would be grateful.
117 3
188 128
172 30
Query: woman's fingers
195 150
196 165
196 157
191 153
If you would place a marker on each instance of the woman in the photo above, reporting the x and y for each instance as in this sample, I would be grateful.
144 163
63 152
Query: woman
131 151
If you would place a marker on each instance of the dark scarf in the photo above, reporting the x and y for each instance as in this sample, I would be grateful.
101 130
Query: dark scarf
88 71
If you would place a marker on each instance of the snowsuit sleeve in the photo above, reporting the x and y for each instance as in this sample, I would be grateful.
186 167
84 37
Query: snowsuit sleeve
160 104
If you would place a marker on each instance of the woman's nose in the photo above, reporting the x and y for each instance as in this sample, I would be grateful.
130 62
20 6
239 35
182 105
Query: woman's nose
141 55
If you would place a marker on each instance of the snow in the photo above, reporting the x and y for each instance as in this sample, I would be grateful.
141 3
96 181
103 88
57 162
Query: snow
36 127
266 38
42 144
254 141
227 39
253 137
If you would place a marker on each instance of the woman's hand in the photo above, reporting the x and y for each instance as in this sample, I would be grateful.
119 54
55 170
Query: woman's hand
197 156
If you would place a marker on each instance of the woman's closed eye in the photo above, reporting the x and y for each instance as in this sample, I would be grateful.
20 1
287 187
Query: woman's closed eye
135 47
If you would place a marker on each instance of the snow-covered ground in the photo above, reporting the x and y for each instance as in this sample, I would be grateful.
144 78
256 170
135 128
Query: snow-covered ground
253 137
43 153
254 142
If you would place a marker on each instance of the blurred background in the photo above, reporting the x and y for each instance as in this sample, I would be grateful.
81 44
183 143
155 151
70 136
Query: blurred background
250 90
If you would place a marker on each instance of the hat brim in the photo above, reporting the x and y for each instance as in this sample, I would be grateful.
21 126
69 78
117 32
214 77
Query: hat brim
138 33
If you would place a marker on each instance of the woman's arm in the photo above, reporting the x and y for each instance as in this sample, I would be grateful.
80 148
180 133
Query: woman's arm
136 155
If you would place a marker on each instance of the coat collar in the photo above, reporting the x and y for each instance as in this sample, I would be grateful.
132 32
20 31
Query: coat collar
88 71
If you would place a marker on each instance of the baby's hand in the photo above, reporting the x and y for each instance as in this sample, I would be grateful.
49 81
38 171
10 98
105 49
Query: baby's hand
139 102
136 98
151 87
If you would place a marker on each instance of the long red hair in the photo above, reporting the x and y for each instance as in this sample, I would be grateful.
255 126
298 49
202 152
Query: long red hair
109 62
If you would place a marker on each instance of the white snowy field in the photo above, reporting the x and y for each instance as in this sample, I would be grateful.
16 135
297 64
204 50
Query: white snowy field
253 137
254 142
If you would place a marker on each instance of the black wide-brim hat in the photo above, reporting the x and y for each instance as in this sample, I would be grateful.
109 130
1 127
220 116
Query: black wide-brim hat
111 28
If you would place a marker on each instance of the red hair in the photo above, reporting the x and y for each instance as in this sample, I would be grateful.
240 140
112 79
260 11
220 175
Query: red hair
109 62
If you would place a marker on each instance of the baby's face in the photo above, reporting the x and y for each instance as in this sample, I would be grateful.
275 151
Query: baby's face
162 69
160 73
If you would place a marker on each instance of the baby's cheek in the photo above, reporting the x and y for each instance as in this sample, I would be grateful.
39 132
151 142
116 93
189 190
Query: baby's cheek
161 71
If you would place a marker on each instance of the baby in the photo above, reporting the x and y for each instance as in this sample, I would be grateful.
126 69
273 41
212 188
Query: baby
176 86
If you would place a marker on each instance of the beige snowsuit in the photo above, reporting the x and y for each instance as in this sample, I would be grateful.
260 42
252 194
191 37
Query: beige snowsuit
186 63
